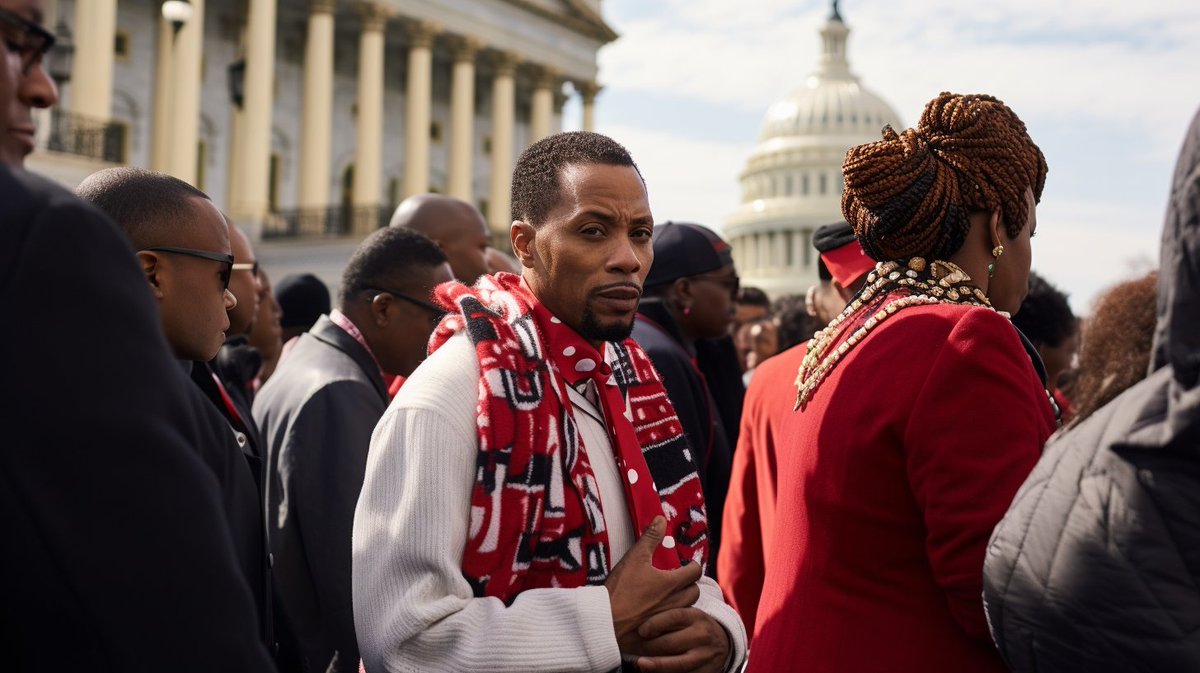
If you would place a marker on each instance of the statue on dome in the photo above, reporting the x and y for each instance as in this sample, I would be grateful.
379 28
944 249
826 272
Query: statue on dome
836 15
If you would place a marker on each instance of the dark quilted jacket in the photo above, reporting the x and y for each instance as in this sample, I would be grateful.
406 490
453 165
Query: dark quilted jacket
1096 566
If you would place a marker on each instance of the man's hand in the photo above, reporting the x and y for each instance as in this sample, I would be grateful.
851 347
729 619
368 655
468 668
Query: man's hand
637 590
682 640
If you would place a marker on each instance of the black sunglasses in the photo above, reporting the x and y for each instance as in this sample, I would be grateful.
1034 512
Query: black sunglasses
436 310
227 260
31 41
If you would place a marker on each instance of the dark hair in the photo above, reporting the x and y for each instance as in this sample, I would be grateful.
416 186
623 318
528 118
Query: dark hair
752 296
303 298
823 272
147 206
536 185
390 258
1045 316
912 194
1116 344
795 324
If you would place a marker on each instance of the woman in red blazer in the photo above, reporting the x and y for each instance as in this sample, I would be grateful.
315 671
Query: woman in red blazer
919 412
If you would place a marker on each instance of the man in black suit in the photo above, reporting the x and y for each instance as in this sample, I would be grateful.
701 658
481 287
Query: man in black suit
183 248
116 556
317 413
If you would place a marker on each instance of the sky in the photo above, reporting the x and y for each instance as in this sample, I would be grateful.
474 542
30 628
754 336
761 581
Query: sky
1106 89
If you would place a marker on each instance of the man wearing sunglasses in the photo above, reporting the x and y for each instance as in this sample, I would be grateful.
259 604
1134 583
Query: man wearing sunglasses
24 83
183 250
317 413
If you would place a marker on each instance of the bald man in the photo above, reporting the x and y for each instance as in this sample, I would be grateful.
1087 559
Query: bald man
455 225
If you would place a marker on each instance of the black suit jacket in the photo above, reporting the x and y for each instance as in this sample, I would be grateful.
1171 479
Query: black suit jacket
317 413
116 554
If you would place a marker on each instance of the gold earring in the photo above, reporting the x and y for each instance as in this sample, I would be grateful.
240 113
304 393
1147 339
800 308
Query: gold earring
997 251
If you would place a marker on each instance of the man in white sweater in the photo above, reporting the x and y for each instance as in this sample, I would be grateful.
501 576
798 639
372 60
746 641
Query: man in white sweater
506 486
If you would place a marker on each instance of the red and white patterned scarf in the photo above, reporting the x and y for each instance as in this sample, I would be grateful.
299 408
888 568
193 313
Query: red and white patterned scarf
536 518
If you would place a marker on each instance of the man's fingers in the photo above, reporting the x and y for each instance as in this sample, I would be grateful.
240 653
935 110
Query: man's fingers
684 598
688 574
680 663
666 621
652 536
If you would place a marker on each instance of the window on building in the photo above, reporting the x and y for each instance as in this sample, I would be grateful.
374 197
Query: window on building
483 208
787 185
394 192
804 185
435 132
487 145
121 45
201 162
824 183
273 184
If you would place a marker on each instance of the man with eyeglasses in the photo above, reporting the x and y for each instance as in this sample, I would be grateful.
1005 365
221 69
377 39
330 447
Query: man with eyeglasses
183 251
24 83
317 413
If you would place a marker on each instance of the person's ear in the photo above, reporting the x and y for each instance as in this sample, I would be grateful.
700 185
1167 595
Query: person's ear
682 290
380 309
997 233
151 268
522 234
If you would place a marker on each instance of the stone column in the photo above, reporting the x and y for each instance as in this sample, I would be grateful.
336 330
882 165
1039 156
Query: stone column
462 118
368 146
92 69
160 137
587 92
185 95
542 103
504 101
418 103
254 150
317 117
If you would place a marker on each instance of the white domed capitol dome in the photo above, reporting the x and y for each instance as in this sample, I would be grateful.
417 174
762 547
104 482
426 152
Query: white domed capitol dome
792 183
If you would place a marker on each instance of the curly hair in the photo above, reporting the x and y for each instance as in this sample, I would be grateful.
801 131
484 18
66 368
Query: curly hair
1045 315
1116 344
912 194
535 182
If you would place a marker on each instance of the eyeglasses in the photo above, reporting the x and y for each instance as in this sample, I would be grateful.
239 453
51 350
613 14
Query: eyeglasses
252 267
434 309
227 260
730 282
30 41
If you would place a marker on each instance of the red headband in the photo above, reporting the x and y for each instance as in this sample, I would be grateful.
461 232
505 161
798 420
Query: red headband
847 263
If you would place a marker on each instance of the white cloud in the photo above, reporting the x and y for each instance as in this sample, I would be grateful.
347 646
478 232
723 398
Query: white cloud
688 179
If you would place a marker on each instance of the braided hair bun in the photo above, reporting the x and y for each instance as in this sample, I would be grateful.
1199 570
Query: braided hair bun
911 194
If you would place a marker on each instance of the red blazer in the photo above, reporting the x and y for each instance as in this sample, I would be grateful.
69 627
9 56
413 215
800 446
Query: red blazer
750 502
904 460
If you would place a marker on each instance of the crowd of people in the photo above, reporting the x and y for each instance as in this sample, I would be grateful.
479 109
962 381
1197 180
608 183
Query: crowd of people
599 452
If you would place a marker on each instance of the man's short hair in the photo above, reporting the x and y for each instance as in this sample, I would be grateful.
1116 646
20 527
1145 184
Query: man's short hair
390 258
145 204
1045 315
536 185
752 296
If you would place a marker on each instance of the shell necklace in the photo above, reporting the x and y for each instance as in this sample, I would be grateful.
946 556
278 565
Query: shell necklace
917 282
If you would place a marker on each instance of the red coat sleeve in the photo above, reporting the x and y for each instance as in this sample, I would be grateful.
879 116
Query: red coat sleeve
976 430
740 564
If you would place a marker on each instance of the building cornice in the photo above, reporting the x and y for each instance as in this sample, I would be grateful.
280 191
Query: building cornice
585 22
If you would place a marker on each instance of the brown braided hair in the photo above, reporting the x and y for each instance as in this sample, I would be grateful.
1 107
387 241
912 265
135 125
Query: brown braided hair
911 194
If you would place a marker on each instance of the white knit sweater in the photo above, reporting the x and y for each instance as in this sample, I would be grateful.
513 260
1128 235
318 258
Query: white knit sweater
413 610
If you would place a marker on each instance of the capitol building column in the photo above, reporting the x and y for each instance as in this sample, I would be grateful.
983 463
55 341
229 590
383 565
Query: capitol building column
462 118
419 103
92 68
587 92
254 152
184 120
504 101
368 159
542 103
317 117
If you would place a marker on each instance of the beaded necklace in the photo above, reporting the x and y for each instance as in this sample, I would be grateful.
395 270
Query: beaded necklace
917 282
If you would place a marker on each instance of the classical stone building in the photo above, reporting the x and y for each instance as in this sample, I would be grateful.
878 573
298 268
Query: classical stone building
792 182
315 117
